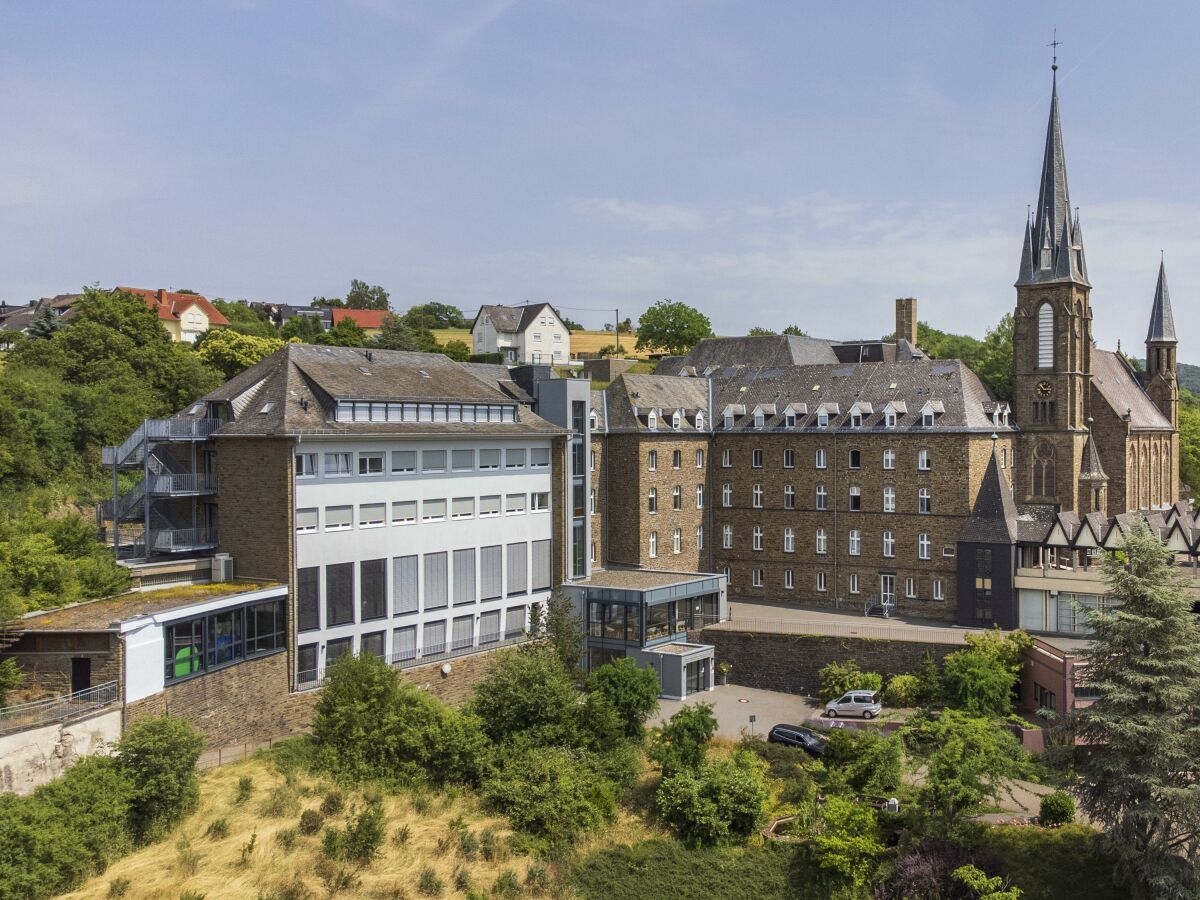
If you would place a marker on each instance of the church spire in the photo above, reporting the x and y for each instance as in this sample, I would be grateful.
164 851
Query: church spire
1162 322
1060 247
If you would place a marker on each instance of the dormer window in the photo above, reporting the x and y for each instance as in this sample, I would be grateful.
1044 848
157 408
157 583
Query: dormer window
759 419
822 419
889 418
856 419
652 420
699 421
996 416
592 420
676 420
729 421
790 420
927 419
930 411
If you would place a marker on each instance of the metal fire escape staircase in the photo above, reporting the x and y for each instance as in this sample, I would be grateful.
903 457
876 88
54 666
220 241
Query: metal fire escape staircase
151 502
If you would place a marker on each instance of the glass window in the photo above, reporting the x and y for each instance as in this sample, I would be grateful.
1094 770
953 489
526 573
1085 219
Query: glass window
337 464
489 459
822 497
854 588
433 510
184 644
335 650
307 520
653 544
789 459
539 501
756 459
889 459
372 576
308 599
699 459
463 508
699 496
923 462
789 540
677 497
514 504
339 518
757 535
889 499
789 497
514 458
727 495
306 465
306 663
855 498
677 541
889 544
855 542
756 494
676 455
923 545
462 460
821 459
372 644
726 537
652 500
822 582
404 512
339 594
822 541
370 464
652 460
371 515
489 505
404 461
433 460
924 501
726 459
539 457
855 459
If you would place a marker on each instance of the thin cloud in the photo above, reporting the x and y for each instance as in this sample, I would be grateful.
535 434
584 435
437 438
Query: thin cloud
650 216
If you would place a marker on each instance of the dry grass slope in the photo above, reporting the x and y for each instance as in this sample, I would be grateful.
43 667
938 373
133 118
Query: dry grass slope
163 871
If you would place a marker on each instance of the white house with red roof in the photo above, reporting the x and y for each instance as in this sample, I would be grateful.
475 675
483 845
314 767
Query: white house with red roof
369 320
185 316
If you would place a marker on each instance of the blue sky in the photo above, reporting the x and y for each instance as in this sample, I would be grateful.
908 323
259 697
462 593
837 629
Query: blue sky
770 163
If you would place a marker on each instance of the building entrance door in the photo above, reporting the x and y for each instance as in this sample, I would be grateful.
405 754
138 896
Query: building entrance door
887 589
81 673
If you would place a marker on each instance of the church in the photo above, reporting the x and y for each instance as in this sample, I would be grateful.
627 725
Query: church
1097 435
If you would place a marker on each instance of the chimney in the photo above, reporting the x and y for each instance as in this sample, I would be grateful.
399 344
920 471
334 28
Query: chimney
906 320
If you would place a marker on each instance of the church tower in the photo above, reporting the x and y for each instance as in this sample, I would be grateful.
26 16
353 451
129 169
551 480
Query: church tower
1160 378
1052 340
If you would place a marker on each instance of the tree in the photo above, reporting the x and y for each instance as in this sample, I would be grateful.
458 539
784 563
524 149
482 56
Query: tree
1189 440
846 847
428 316
11 678
720 802
398 334
303 328
530 696
984 887
796 330
245 319
231 352
967 761
981 679
345 333
45 321
759 331
364 296
1139 756
158 756
625 326
569 324
837 678
632 690
551 792
682 743
672 326
562 628
456 350
995 360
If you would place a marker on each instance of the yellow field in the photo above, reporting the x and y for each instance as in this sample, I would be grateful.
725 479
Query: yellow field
213 867
581 341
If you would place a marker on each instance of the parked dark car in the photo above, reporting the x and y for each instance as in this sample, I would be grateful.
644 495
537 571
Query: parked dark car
806 739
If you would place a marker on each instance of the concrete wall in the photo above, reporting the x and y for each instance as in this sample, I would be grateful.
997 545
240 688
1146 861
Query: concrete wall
34 757
792 663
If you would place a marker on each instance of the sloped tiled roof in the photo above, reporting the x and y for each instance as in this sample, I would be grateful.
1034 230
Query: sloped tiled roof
1116 385
363 318
647 392
993 518
1089 464
499 376
295 389
171 305
761 350
512 319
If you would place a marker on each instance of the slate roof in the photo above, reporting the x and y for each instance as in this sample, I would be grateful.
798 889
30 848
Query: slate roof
1117 386
18 318
763 350
294 392
512 319
993 518
494 373
1162 320
1034 522
1089 464
966 402
654 392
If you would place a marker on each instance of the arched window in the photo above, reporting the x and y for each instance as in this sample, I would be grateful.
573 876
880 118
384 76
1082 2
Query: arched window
1045 356
1043 470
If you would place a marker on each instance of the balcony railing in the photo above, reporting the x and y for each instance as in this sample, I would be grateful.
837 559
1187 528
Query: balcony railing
183 540
57 709
160 430
173 485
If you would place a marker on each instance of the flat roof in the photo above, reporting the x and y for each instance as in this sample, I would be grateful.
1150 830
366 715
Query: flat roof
107 613
677 648
638 579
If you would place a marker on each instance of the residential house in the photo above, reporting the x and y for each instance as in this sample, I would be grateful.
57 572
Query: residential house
522 334
369 320
185 316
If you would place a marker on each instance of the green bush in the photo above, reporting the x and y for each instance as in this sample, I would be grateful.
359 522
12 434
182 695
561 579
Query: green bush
529 696
245 789
681 744
429 884
118 887
632 690
286 839
878 770
980 680
721 802
506 886
1057 808
158 757
902 690
311 821
837 678
846 849
550 792
333 803
218 829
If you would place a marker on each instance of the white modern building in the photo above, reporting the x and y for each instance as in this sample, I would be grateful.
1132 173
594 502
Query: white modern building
523 334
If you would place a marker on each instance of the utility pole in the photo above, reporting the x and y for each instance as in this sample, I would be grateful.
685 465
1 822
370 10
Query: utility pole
617 328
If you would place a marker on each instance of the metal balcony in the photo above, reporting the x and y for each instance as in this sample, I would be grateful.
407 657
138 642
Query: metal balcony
133 450
183 540
183 485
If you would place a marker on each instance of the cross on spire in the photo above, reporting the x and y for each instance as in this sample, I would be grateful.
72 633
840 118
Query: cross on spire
1055 43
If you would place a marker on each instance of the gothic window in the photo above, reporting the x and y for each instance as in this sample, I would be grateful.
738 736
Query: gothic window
1045 356
1043 470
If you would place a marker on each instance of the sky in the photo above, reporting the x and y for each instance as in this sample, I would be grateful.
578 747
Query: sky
769 163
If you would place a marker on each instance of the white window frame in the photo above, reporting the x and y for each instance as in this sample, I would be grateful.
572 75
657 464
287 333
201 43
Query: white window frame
677 541
756 495
854 584
652 461
789 579
789 458
789 540
889 544
756 577
924 546
889 499
756 458
889 459
757 538
822 582
308 467
822 542
654 545
726 537
821 460
855 542
727 495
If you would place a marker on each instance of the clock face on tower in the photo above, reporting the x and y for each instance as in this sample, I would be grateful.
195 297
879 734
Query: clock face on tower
1044 389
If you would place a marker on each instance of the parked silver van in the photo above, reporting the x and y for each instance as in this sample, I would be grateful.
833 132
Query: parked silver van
855 703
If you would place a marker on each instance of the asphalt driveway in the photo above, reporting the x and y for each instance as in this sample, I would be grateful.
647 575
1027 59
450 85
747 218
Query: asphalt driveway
733 706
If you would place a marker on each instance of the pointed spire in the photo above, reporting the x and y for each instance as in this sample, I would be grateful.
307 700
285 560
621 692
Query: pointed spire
1162 322
1061 256
1090 468
1027 254
993 519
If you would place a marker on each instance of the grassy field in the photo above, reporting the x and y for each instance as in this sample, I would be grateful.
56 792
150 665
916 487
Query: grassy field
581 341
420 837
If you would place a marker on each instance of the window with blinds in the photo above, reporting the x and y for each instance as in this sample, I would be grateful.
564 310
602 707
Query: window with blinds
372 579
541 566
463 632
1045 336
338 517
435 580
308 598
518 569
405 584
514 622
307 520
339 594
462 460
489 505
433 510
372 644
371 515
404 512
489 459
515 504
489 627
404 643
433 460
433 638
404 462
539 457
463 508
464 576
491 573
514 458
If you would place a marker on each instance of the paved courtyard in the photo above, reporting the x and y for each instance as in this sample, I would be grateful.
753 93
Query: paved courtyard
733 705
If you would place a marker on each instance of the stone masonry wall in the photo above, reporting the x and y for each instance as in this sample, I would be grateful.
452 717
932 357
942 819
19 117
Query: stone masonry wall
792 663
46 661
254 503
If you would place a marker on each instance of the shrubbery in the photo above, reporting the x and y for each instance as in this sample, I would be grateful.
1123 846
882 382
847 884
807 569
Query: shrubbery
1057 808
837 678
550 792
682 742
632 690
902 690
721 801
51 840
980 680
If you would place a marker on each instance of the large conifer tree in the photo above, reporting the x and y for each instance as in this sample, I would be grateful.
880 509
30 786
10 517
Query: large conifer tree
1139 758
